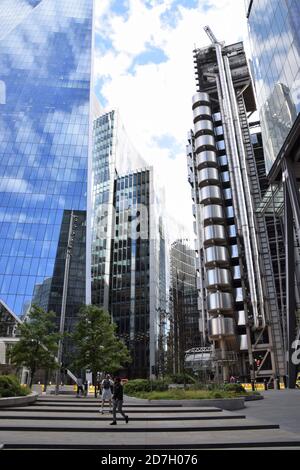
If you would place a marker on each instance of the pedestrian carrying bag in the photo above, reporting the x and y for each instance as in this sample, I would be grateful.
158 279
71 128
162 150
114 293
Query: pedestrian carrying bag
106 384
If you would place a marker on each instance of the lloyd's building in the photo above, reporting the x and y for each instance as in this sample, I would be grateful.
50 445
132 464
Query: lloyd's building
45 150
239 313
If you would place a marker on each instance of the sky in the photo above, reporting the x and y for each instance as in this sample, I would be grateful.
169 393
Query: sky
144 68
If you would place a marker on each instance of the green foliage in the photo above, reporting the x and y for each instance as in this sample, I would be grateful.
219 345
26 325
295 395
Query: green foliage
181 379
181 394
228 387
97 347
236 388
10 387
144 385
37 348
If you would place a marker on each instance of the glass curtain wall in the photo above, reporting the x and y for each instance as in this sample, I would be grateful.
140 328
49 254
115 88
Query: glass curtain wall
45 83
275 42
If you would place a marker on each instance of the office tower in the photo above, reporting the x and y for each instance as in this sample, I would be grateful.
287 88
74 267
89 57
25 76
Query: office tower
274 30
45 145
113 154
276 69
184 313
128 245
237 293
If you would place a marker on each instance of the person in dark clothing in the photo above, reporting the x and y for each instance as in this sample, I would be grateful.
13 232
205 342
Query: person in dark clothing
118 401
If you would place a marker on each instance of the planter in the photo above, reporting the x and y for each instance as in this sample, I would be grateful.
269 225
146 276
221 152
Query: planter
19 401
171 386
254 397
229 404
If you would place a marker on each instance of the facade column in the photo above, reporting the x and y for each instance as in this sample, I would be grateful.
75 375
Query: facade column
290 284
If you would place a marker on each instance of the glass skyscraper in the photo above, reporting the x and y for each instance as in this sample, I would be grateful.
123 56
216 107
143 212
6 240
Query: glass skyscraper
113 154
45 143
274 30
275 40
184 326
128 244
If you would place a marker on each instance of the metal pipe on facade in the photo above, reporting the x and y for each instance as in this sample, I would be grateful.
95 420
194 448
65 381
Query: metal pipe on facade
228 119
228 150
246 186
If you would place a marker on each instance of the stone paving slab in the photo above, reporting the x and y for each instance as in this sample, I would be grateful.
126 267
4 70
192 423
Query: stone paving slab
110 440
279 406
108 417
135 426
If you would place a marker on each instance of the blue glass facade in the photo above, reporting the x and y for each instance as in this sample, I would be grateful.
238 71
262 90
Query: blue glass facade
45 122
274 27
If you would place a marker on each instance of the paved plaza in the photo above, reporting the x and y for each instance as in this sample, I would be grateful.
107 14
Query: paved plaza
67 422
278 407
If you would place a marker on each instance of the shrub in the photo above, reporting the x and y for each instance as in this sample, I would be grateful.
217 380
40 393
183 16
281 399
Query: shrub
181 379
10 387
236 388
144 385
216 395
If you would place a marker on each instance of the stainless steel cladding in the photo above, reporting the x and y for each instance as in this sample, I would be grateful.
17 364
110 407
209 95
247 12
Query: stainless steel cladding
216 255
227 194
203 126
214 234
220 326
236 272
231 231
241 321
219 302
238 294
243 343
218 278
234 251
200 97
206 158
204 141
209 194
203 110
212 213
208 176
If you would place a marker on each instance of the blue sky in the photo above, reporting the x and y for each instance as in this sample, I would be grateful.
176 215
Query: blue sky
144 67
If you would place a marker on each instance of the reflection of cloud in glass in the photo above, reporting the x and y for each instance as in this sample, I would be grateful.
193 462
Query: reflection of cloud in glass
45 61
276 63
2 92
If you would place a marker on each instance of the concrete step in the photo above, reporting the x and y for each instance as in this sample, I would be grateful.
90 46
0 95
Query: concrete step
108 417
68 425
95 409
145 440
137 427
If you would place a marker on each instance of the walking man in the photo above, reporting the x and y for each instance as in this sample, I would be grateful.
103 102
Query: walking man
80 387
118 401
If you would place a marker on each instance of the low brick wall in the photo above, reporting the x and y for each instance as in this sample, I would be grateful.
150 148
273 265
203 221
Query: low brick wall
19 401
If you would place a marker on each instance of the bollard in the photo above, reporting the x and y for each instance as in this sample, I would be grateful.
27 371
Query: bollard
265 384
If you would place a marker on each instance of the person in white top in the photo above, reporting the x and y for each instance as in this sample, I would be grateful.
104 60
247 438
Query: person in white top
106 386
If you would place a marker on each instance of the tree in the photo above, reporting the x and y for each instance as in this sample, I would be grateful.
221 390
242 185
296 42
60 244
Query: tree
37 348
98 348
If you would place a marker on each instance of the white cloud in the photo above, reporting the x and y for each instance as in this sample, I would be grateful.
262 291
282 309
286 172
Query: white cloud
155 99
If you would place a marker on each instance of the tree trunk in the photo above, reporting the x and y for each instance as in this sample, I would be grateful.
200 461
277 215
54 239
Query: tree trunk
94 379
32 373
